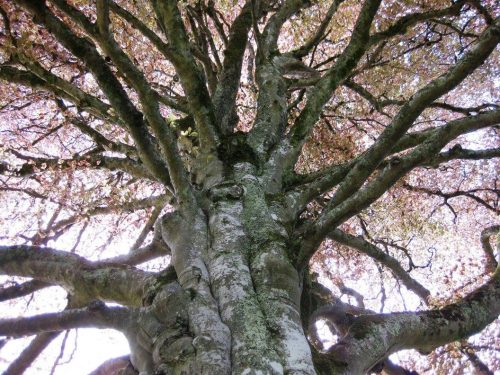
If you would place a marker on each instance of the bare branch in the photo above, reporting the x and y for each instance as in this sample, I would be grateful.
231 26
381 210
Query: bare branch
30 353
425 330
388 261
97 315
84 279
308 187
86 51
225 94
21 290
315 39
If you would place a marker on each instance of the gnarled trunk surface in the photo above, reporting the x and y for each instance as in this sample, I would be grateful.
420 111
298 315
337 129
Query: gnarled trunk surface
237 300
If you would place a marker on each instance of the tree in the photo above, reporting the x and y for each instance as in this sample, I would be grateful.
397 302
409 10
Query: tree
246 139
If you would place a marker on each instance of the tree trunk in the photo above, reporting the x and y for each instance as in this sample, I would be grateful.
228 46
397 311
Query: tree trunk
236 307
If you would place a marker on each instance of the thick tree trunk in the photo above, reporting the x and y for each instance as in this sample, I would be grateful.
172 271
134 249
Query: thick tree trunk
236 306
234 300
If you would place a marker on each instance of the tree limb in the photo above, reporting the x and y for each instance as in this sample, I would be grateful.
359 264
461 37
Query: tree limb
411 110
84 279
225 93
30 353
89 160
404 23
315 39
86 51
388 261
287 153
97 315
192 80
333 216
21 290
371 338
161 129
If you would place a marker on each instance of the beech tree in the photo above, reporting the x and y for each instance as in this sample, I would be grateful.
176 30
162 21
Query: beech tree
246 147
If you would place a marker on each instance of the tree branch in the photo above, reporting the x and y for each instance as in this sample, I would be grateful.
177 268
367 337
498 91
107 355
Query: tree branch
89 160
273 27
404 23
227 88
84 279
378 255
191 78
325 87
380 104
308 187
30 353
411 110
161 129
458 193
371 338
315 39
86 51
21 290
96 315
398 167
39 78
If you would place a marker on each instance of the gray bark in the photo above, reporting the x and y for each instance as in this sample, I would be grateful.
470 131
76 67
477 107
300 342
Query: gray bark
238 297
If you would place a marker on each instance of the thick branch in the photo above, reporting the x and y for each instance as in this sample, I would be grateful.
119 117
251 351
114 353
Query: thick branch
273 27
84 279
155 249
97 315
147 96
39 78
89 160
325 87
315 184
412 109
336 74
225 94
21 290
464 154
191 78
371 338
